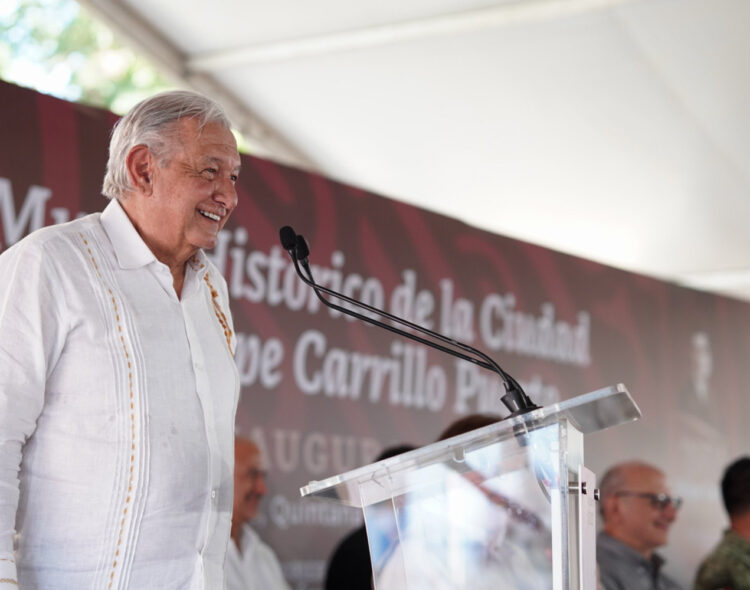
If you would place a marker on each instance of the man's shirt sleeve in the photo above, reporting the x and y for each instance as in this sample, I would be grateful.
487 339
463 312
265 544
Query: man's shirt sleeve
31 338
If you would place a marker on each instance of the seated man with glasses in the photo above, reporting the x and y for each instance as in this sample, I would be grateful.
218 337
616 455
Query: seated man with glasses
637 511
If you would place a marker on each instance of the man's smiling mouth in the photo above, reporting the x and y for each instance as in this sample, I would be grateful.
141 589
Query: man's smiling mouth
210 215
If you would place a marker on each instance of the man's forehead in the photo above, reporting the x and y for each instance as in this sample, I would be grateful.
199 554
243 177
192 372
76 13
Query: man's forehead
644 476
190 132
246 451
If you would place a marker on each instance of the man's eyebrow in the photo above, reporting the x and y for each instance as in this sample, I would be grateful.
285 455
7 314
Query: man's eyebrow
219 160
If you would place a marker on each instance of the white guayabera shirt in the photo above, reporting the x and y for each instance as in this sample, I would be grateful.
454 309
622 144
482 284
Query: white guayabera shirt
256 567
117 404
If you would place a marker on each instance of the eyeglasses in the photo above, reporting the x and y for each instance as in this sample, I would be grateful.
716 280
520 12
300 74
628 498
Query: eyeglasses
659 501
254 474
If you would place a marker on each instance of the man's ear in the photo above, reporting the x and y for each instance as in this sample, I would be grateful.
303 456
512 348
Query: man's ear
141 165
610 506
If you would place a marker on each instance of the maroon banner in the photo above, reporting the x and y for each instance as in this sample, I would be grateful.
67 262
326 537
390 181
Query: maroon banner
323 393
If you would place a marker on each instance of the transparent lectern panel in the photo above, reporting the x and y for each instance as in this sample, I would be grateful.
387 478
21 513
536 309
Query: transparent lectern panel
480 519
586 413
495 508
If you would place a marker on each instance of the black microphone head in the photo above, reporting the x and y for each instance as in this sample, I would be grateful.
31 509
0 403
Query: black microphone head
301 249
288 238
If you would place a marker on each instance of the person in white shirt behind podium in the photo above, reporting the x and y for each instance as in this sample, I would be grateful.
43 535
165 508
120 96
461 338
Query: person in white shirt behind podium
251 564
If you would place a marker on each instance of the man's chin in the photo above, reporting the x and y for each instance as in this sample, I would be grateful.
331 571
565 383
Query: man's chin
206 242
660 539
204 238
251 510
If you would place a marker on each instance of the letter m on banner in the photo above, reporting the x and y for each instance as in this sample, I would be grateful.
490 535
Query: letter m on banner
28 219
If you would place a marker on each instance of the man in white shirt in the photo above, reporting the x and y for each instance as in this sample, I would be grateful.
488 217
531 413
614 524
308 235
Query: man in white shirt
251 564
117 384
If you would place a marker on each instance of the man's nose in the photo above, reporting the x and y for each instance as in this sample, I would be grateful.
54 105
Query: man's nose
262 487
670 512
226 193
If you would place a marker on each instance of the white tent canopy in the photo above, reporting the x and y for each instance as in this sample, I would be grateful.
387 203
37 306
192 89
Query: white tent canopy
616 130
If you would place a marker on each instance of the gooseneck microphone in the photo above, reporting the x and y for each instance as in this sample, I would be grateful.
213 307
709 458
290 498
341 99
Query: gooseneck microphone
515 399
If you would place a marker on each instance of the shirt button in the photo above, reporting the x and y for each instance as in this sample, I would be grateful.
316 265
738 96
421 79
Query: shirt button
213 494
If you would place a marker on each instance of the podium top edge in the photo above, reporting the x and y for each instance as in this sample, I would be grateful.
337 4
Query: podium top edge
588 413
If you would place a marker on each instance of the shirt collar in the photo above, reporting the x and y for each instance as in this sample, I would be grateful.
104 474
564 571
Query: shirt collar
249 538
627 552
199 263
130 249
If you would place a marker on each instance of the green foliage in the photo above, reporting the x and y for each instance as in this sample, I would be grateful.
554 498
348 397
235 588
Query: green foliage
56 47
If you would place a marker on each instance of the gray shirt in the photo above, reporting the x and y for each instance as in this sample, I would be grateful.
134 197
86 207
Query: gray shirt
622 568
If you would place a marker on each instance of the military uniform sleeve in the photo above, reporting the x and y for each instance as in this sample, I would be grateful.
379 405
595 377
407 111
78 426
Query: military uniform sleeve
711 575
31 338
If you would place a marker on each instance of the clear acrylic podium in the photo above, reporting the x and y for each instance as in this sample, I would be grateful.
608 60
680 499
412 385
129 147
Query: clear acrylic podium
508 506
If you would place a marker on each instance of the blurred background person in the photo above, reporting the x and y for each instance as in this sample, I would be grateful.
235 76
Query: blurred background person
250 564
728 566
637 511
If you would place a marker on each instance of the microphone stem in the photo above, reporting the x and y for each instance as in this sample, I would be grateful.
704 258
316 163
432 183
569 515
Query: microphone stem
317 289
515 399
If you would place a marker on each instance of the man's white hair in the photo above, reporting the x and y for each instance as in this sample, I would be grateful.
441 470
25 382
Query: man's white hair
152 122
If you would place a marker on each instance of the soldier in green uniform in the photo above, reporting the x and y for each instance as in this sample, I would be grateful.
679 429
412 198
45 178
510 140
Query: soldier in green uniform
728 566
